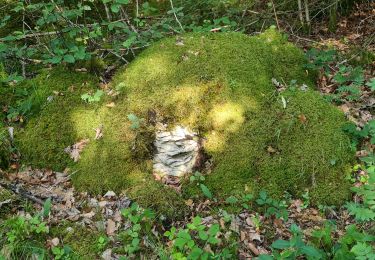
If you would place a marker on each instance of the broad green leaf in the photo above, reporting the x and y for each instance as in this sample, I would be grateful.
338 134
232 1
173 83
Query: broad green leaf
69 58
206 191
280 244
311 251
231 200
214 229
203 235
47 207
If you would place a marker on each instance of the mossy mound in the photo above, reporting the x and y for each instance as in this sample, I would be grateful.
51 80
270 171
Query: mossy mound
46 135
220 86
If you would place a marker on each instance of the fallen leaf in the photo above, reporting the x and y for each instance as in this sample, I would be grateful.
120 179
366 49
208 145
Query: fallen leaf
253 248
110 105
302 118
189 202
107 254
254 236
55 241
271 150
99 132
75 149
89 215
111 227
110 194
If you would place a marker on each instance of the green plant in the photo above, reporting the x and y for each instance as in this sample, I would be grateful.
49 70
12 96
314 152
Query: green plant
305 200
293 248
358 135
136 121
320 59
371 84
93 98
365 211
349 80
352 245
244 200
64 252
199 178
102 243
192 242
23 236
140 220
272 207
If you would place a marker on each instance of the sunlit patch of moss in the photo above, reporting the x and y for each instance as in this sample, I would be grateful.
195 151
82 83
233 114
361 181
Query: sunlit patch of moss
220 86
227 117
43 140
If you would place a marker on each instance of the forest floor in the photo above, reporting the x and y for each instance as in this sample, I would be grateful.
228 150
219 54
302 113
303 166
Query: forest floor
101 215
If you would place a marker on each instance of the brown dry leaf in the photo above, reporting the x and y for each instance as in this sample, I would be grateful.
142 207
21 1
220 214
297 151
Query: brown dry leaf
242 236
89 215
110 105
75 149
55 241
271 150
254 236
189 202
253 248
99 132
302 118
111 227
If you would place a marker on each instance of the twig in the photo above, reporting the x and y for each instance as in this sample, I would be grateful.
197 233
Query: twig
300 11
274 11
175 16
307 13
22 192
108 14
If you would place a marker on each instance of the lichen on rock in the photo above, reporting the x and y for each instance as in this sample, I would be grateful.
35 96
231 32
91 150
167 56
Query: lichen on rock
220 86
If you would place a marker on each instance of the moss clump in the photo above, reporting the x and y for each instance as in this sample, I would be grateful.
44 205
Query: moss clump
219 85
43 140
82 240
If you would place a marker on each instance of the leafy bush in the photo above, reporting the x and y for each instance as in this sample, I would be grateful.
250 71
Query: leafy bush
24 237
365 211
192 242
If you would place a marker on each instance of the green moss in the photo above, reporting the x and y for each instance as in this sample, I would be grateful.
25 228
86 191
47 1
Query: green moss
43 141
82 240
219 85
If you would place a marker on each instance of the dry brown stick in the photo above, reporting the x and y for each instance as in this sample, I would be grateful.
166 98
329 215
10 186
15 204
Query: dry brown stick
274 11
22 192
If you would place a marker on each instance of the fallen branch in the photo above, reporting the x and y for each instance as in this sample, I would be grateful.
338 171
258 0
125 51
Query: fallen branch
20 191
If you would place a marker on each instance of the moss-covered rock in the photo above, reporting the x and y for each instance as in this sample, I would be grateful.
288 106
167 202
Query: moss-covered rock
218 85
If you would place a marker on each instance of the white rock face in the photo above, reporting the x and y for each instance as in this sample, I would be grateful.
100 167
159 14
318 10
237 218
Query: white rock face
176 151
